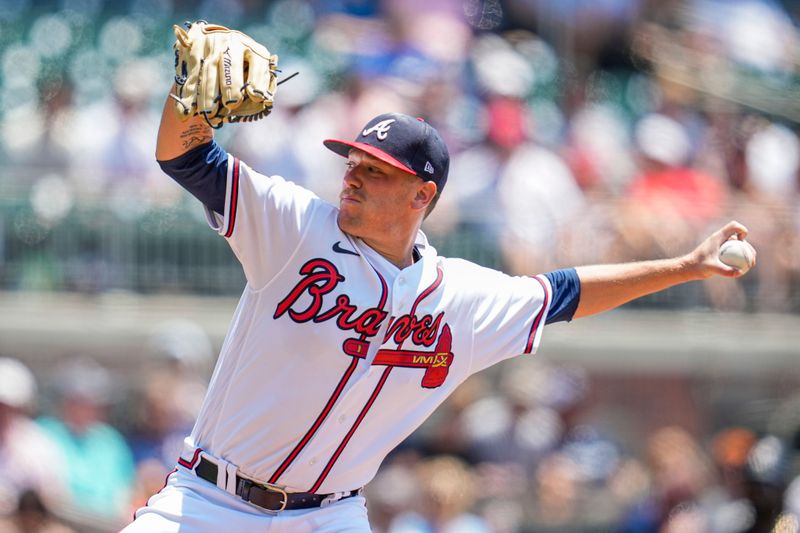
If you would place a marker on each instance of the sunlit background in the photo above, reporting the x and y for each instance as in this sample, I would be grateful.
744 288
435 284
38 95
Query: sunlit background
581 131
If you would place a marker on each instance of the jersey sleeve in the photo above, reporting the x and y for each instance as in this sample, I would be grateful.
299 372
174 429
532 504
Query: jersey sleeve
202 171
509 315
264 219
566 287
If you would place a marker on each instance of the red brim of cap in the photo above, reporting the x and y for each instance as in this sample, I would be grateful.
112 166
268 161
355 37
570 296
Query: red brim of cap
343 149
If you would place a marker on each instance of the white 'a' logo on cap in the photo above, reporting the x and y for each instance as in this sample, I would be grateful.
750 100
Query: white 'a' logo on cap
381 129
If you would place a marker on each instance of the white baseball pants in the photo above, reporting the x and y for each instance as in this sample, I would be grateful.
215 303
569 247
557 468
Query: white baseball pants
188 504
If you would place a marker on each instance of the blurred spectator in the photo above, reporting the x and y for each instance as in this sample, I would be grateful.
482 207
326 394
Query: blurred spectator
32 516
757 34
165 409
773 160
447 491
730 449
393 491
513 192
772 163
599 149
726 505
23 445
670 201
166 399
159 427
181 348
558 488
522 421
765 481
681 474
792 500
98 461
539 196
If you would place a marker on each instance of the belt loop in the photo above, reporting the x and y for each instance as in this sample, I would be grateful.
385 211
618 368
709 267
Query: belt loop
231 476
189 448
333 498
222 470
191 463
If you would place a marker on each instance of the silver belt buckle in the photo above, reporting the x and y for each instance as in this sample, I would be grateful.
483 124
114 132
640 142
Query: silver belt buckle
283 493
247 483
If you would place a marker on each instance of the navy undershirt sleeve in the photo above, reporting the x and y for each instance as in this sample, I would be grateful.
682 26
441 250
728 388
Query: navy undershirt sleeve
566 294
203 172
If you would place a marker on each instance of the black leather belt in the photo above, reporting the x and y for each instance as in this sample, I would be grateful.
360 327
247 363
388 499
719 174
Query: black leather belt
265 496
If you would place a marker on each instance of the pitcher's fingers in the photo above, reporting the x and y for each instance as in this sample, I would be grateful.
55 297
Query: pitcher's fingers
734 228
754 251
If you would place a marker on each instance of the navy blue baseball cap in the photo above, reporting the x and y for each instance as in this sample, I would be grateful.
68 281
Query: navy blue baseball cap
405 142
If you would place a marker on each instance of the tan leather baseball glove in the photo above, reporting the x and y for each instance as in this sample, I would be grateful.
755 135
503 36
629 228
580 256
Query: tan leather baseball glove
222 74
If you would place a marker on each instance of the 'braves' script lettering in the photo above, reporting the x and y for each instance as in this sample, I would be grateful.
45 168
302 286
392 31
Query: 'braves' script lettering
320 277
422 331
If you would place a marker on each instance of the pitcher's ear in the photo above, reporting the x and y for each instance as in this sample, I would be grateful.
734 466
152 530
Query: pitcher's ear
425 194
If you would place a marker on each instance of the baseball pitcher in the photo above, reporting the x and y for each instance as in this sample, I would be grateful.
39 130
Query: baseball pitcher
351 329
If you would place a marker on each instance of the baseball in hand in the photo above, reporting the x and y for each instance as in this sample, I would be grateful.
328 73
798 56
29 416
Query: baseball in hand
738 254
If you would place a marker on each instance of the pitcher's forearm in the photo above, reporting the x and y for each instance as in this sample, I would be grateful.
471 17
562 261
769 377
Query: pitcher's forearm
176 137
604 287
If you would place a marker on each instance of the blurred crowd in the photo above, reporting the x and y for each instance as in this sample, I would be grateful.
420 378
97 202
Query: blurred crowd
525 447
581 132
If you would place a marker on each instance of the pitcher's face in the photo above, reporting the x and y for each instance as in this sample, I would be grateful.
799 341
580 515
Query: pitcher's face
376 197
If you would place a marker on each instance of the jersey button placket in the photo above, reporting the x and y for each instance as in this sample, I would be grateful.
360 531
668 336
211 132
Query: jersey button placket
401 293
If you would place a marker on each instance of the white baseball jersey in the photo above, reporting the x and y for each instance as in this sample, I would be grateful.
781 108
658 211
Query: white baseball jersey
334 355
